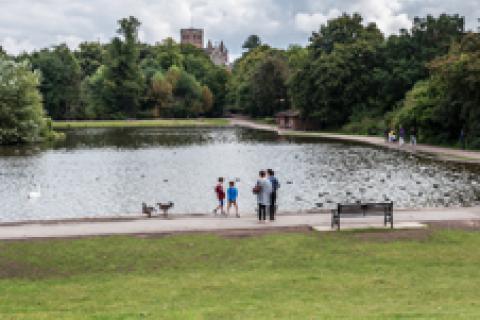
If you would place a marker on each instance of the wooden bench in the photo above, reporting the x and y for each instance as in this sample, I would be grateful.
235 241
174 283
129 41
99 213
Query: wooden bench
362 210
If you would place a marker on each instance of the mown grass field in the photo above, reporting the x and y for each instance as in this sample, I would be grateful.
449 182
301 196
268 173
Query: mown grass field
141 123
281 276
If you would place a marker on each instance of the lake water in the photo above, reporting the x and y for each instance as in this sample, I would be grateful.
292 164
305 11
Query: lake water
110 172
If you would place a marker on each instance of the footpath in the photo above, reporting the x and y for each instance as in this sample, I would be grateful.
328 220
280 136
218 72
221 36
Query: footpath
409 219
441 153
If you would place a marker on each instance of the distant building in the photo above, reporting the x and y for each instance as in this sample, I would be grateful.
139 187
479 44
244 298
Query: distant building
192 36
289 119
217 53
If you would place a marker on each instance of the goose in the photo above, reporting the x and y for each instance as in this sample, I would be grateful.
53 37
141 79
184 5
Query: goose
35 194
147 210
165 207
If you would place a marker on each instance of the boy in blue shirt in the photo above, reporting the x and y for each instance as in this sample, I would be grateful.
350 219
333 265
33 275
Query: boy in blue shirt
232 195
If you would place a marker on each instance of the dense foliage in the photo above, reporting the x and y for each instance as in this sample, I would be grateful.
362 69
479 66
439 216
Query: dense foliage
22 118
351 78
129 79
449 100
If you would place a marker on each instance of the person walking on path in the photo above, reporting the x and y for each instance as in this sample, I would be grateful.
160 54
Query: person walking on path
462 139
386 135
413 136
273 197
232 195
220 196
401 135
263 190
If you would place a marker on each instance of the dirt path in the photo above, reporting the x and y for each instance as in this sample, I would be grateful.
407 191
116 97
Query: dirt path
442 153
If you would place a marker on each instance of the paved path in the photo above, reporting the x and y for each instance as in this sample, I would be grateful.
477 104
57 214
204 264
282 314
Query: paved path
448 154
188 224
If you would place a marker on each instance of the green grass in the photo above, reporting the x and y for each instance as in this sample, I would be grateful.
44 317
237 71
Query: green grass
141 123
268 120
282 276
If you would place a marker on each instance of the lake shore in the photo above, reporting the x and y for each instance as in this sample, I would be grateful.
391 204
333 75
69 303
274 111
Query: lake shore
440 153
216 122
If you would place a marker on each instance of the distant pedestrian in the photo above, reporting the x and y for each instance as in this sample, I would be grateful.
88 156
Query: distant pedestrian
219 191
462 139
413 136
273 198
401 136
263 190
386 134
232 196
392 137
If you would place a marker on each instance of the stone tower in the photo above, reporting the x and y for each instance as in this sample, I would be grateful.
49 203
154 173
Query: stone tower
192 36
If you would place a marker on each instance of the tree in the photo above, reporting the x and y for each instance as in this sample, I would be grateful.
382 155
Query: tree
269 86
22 118
448 100
90 56
60 81
336 83
253 41
124 83
345 29
160 93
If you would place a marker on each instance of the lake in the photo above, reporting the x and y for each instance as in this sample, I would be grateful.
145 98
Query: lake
110 172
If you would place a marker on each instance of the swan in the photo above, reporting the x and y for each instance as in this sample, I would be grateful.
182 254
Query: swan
35 194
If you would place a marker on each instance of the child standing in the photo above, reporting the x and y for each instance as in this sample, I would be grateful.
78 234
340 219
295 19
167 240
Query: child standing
232 195
220 196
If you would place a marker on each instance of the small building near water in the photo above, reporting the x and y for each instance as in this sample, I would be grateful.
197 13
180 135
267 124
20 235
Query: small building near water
289 119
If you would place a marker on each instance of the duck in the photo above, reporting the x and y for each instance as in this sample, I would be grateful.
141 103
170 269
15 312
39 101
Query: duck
165 207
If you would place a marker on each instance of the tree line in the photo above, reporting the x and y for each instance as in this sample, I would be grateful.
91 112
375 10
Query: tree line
128 79
350 77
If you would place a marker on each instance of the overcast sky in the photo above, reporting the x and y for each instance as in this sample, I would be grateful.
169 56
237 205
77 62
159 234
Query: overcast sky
26 25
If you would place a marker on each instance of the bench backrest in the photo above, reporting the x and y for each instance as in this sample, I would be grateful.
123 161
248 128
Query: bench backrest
350 208
365 208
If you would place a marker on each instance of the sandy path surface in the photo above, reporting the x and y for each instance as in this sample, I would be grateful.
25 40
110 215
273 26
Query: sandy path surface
65 229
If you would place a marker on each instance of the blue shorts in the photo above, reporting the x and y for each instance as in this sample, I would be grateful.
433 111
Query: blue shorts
221 202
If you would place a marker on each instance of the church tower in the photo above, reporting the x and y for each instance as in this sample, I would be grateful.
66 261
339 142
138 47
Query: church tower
192 36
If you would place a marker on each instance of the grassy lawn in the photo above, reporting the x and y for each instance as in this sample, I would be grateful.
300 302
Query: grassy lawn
280 276
268 120
141 123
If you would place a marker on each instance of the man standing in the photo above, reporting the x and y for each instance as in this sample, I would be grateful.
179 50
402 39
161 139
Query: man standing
273 197
263 190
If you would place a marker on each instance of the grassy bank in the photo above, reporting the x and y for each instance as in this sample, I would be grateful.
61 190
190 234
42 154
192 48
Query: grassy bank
294 276
141 123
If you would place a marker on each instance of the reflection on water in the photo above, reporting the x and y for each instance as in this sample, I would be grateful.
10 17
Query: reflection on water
105 172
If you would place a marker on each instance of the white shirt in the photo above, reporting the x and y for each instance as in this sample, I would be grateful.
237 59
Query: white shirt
263 197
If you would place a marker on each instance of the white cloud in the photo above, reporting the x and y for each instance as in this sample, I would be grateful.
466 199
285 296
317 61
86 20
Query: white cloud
386 14
34 24
14 46
308 22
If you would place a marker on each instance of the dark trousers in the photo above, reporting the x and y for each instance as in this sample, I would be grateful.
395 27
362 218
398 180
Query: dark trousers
262 212
273 202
